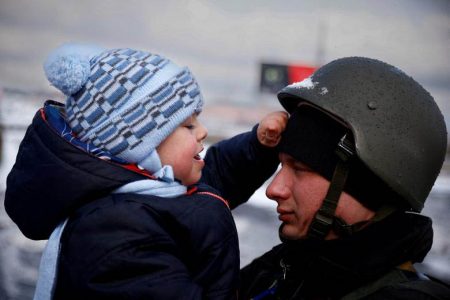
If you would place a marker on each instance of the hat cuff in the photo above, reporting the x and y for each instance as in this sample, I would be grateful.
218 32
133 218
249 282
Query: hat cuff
151 162
142 151
312 138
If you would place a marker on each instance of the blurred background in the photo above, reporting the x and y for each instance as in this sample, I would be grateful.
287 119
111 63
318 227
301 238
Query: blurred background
240 52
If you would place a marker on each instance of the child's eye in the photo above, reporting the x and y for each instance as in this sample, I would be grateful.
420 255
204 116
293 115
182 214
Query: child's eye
189 126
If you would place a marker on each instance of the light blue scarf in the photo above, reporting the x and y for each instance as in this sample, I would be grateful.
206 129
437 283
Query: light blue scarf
165 186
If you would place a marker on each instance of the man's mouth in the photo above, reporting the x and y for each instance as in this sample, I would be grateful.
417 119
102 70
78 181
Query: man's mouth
284 215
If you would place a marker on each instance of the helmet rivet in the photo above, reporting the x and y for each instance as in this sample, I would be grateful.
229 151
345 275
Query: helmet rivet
372 105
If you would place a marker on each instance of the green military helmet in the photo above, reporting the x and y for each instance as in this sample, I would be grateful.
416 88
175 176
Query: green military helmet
399 131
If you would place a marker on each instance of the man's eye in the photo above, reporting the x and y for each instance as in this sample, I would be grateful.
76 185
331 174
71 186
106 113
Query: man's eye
301 169
298 169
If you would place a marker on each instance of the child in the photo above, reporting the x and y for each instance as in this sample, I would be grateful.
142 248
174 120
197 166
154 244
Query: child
118 168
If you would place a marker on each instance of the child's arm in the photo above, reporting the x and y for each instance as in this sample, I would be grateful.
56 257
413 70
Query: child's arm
238 166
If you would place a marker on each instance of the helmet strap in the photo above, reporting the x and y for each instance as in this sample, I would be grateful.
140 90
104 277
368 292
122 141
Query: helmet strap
325 217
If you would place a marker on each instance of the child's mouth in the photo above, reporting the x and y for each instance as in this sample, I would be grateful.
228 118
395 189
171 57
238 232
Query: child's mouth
197 156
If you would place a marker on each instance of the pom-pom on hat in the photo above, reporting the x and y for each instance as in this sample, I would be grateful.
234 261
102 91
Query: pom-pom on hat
124 101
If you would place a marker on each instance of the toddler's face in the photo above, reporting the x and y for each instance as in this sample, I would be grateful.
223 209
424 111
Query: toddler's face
181 150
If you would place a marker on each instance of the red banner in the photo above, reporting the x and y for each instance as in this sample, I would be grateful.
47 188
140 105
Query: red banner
274 77
298 73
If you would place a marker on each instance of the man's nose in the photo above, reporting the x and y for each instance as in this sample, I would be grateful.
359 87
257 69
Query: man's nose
278 189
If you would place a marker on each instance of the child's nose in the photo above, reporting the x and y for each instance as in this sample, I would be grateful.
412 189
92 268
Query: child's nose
203 132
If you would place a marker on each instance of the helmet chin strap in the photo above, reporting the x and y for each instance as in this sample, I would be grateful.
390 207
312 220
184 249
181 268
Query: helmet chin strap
325 218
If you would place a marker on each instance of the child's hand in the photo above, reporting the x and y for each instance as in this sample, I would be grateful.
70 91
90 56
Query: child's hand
270 128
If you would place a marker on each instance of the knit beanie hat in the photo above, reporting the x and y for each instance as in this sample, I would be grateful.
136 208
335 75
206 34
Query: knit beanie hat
123 101
312 136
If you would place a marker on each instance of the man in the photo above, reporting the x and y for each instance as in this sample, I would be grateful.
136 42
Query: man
360 154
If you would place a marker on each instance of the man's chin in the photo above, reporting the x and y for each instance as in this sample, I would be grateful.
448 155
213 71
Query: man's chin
282 235
285 235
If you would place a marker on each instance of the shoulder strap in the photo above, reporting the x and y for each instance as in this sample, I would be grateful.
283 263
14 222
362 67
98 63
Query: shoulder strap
394 276
215 196
399 278
202 189
437 289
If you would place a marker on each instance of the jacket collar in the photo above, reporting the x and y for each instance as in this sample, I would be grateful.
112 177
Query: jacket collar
342 264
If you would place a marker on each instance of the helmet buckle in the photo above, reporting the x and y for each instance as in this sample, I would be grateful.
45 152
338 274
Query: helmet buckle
345 149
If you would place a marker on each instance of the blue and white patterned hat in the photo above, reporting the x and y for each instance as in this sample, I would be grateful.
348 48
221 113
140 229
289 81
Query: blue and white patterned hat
124 101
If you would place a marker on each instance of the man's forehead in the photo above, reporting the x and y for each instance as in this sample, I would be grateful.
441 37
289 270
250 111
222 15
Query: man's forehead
286 158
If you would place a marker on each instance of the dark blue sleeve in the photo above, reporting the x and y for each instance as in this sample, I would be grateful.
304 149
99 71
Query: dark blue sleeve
238 166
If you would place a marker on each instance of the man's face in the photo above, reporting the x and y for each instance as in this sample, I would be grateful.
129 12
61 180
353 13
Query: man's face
299 192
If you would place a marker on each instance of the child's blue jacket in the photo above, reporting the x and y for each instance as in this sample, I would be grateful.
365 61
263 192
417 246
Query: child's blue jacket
128 246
